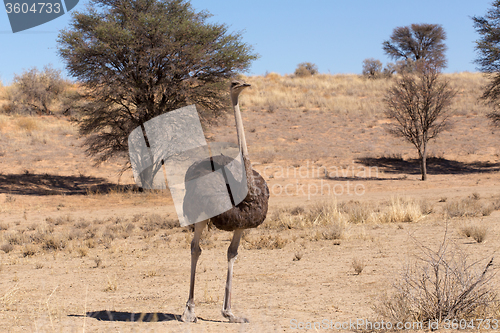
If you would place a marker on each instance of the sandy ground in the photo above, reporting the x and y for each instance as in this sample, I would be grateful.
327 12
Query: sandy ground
146 277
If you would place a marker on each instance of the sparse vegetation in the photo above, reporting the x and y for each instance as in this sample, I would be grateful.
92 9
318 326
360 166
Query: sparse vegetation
441 285
60 238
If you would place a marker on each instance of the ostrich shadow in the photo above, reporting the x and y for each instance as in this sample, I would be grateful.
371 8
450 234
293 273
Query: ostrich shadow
125 316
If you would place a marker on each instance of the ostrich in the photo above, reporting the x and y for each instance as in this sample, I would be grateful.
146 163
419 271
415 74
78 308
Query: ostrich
249 213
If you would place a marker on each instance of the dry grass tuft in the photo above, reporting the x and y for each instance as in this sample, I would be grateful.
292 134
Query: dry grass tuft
112 284
7 248
28 124
298 255
476 231
400 210
358 265
29 250
269 242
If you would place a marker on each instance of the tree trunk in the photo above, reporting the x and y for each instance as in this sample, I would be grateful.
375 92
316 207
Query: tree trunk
423 163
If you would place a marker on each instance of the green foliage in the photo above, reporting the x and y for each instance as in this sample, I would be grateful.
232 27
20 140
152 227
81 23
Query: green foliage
488 49
418 42
306 69
35 91
137 59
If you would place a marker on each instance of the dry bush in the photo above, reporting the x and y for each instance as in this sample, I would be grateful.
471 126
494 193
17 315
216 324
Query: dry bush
82 251
306 69
357 212
468 207
60 220
35 91
4 226
441 285
15 238
281 219
334 232
82 224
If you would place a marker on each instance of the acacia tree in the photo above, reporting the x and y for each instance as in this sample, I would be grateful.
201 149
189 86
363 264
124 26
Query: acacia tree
419 106
488 48
137 59
418 42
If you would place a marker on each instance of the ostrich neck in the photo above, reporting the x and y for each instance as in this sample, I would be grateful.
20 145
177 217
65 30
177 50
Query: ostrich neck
243 144
239 129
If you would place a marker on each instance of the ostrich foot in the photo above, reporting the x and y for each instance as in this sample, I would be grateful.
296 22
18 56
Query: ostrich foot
188 316
232 318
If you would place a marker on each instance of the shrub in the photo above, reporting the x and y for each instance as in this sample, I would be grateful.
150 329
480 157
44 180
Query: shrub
35 91
441 285
372 68
306 69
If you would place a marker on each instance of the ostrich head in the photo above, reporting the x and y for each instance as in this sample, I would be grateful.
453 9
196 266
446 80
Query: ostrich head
236 88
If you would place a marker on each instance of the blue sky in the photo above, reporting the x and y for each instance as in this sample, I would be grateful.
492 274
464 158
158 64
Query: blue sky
335 35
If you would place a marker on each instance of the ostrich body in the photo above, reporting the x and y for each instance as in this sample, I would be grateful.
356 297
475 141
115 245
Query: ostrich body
249 213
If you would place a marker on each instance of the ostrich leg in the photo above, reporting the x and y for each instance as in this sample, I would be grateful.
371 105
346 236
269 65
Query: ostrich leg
232 252
188 315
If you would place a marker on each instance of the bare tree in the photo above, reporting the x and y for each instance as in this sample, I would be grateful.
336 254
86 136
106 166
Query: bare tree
36 90
418 42
419 106
372 68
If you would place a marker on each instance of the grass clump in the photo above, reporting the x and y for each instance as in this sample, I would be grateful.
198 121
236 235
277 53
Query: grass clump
7 248
269 242
401 210
476 231
471 206
358 265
